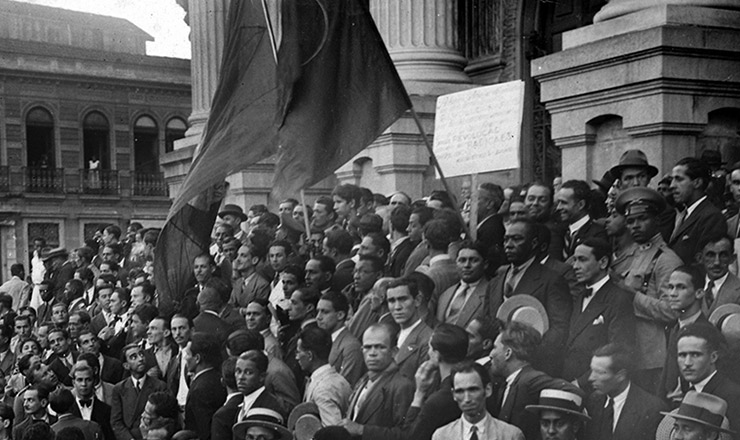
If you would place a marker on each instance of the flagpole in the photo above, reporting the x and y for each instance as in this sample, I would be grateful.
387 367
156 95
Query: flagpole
435 162
270 30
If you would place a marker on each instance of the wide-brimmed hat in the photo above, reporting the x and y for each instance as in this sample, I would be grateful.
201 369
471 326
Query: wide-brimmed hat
304 421
54 253
265 418
702 408
233 210
606 182
727 319
713 158
633 159
525 309
561 401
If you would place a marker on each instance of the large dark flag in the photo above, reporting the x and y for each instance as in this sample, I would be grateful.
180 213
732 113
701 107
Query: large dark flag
338 87
240 132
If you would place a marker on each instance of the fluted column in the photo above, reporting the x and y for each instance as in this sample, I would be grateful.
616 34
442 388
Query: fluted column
618 8
421 36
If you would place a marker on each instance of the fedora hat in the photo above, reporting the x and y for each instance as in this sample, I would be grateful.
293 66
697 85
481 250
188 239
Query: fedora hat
633 159
304 420
233 210
702 408
264 418
54 253
561 401
712 158
525 309
606 182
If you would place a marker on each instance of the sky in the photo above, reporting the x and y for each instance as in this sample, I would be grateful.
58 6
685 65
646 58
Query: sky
162 19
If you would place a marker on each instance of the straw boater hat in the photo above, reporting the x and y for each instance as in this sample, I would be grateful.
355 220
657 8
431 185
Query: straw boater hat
235 210
304 421
265 418
727 319
705 409
561 401
525 309
633 159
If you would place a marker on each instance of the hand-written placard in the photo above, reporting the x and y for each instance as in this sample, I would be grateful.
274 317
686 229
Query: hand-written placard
478 130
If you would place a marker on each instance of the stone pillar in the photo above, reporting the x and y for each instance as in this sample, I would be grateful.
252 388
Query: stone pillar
655 68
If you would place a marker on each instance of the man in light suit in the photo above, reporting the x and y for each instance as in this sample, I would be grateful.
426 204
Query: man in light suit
404 303
619 409
250 283
720 286
381 398
471 385
346 350
690 178
130 395
464 301
441 270
526 276
602 314
17 287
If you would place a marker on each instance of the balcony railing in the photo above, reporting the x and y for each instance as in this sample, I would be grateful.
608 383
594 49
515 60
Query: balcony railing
149 184
104 182
44 180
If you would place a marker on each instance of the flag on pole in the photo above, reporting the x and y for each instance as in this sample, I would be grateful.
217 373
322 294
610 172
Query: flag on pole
338 90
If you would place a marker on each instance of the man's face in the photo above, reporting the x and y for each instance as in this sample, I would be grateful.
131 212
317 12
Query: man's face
231 249
137 327
84 384
31 402
135 361
180 331
498 357
377 350
555 425
248 377
682 185
232 220
75 326
105 268
190 360
137 296
635 177
299 213
58 343
695 360
45 374
285 208
687 430
566 205
109 255
23 328
735 185
244 261
298 308
260 433
602 377
615 224
487 202
290 283
88 344
587 268
117 306
156 332
342 207
202 269
364 276
518 211
257 317
642 227
404 308
59 315
716 258
278 258
321 214
108 238
398 199
470 265
42 334
518 246
475 339
415 228
368 247
681 291
327 317
315 277
222 235
303 356
470 394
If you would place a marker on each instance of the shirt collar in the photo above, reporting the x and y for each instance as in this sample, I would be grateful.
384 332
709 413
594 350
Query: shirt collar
699 386
599 284
693 206
512 377
480 427
524 266
621 397
578 224
717 283
690 320
336 333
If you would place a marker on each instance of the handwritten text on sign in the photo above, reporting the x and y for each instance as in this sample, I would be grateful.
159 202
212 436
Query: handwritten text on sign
478 130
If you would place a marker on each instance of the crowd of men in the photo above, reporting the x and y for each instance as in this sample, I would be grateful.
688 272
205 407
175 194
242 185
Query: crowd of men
603 311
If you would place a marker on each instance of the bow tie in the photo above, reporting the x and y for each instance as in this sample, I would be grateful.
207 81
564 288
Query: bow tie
587 293
86 403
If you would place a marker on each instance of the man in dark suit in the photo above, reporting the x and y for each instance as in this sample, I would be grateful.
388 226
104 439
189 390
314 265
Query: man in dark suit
698 351
464 301
512 352
59 270
224 417
526 276
401 244
337 245
111 369
8 360
86 405
404 303
572 204
206 394
442 269
720 286
619 409
539 201
210 303
62 402
490 224
130 395
700 218
346 350
35 404
381 398
602 314
418 218
63 357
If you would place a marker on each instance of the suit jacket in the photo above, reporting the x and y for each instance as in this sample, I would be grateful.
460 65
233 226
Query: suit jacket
552 291
23 425
722 387
608 318
98 323
128 405
417 256
91 430
525 390
438 410
495 429
474 304
205 397
444 274
414 350
669 379
111 370
208 322
386 402
59 367
346 357
732 224
256 287
233 318
588 230
225 418
7 364
705 221
281 384
639 418
100 415
398 257
343 275
729 293
491 232
172 376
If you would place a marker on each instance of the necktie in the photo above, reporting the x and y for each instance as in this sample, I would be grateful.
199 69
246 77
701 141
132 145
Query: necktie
509 287
473 432
709 294
607 420
137 385
680 217
457 303
86 403
568 240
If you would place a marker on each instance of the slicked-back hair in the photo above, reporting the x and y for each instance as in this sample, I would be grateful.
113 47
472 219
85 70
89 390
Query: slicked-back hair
476 246
298 272
409 282
309 296
380 241
489 328
451 341
328 203
709 333
165 404
61 400
258 357
338 301
522 339
339 239
287 247
227 227
317 341
243 340
16 269
113 230
472 367
146 312
715 238
326 264
228 369
424 213
620 356
581 191
696 169
375 261
437 235
694 273
123 295
206 345
348 192
400 218
599 247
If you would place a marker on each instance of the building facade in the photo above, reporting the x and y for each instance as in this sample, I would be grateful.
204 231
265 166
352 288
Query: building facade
85 115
